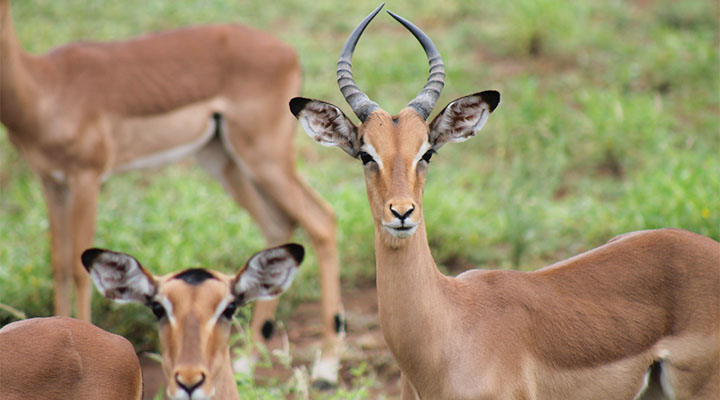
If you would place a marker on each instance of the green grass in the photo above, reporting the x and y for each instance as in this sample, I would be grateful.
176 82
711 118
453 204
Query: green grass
608 124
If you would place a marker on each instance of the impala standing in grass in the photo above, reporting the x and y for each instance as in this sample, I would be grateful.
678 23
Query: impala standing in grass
86 110
594 326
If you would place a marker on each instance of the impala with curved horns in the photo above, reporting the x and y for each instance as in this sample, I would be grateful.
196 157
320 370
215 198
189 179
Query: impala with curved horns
194 308
595 326
60 358
86 110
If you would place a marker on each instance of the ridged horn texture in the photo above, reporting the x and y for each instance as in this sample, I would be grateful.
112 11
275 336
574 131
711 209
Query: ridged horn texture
424 102
360 103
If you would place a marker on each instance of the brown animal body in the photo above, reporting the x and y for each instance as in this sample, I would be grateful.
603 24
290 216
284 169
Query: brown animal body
86 110
194 310
641 311
62 358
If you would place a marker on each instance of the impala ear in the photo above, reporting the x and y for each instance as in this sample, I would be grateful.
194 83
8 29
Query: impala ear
119 276
463 118
268 273
326 124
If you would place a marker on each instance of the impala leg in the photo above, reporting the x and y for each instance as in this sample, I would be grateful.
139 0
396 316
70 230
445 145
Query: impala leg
276 228
288 190
84 188
275 224
271 166
57 197
71 208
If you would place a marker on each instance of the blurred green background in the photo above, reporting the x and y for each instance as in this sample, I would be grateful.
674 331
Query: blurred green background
609 122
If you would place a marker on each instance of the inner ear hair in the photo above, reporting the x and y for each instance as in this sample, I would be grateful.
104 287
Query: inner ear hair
118 276
462 118
326 124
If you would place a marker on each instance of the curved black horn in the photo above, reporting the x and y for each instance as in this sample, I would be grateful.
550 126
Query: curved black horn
360 103
424 102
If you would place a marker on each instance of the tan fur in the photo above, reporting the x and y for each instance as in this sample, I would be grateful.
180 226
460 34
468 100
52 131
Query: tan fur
194 310
63 358
85 110
588 327
398 183
195 344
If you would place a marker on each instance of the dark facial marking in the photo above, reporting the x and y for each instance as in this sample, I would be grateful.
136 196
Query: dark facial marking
194 276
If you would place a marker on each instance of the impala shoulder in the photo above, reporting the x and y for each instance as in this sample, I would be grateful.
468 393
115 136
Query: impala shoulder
647 233
661 236
81 332
473 274
504 285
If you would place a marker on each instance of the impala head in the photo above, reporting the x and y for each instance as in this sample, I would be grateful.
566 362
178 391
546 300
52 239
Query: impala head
194 309
395 150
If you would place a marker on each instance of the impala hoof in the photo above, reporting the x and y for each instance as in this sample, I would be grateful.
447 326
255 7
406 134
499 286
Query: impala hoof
323 385
325 373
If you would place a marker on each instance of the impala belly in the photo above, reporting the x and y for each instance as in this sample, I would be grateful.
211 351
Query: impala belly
158 140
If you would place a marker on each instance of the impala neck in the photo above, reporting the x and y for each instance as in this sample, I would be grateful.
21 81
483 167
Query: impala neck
411 301
18 87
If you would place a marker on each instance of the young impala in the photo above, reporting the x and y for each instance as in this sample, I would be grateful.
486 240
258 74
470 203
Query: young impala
61 358
590 327
86 110
194 308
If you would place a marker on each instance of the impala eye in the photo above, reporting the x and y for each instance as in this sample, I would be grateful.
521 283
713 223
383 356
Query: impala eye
230 310
158 310
428 155
365 157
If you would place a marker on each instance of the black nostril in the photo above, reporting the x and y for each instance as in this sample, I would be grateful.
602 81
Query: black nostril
407 213
200 382
395 213
192 388
402 217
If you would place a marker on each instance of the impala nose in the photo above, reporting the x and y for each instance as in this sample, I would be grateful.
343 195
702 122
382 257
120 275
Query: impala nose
402 211
190 379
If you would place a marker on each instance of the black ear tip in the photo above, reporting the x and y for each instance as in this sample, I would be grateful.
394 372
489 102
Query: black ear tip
492 98
297 104
88 257
297 251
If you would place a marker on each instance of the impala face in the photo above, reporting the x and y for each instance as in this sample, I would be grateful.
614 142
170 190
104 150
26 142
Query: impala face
395 153
395 150
194 309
